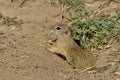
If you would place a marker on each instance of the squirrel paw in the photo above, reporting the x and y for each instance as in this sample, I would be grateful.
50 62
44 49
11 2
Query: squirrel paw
52 49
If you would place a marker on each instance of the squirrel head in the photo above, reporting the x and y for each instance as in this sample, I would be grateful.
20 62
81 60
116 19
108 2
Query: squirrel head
61 30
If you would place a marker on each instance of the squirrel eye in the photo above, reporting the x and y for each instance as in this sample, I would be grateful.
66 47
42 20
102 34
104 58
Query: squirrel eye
58 28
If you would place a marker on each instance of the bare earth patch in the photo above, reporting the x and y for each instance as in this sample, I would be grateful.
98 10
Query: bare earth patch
23 56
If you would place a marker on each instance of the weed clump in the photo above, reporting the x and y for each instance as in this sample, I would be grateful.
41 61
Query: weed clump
92 31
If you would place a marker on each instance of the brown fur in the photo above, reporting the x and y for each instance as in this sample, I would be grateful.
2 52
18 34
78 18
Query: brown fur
66 46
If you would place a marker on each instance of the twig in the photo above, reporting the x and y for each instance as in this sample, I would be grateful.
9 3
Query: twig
66 10
22 3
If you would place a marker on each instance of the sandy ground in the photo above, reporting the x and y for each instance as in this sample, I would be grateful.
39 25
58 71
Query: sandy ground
22 49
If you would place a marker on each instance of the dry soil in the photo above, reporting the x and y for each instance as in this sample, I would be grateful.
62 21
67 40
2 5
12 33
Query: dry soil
23 31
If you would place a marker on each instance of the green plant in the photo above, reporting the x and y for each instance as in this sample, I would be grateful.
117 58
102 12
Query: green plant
95 32
11 21
114 58
72 4
92 32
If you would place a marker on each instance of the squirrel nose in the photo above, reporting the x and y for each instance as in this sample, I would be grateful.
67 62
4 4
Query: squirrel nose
52 31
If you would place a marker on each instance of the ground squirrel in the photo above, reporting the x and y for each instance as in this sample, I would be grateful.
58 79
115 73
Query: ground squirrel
66 46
